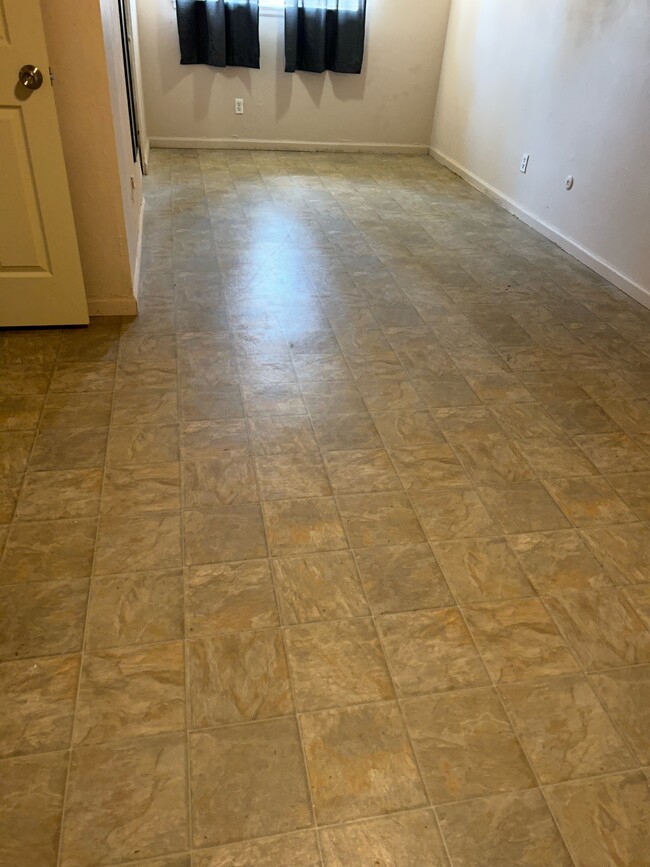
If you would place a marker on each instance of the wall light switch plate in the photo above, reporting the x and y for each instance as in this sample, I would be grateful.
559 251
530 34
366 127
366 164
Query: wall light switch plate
239 106
524 164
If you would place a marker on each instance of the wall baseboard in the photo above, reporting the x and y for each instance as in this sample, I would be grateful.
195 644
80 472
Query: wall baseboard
146 152
254 144
112 307
582 254
138 253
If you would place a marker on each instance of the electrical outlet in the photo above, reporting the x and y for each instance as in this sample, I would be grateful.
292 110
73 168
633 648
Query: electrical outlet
239 106
523 167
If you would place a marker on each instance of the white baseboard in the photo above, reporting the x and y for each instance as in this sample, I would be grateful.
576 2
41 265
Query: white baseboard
138 252
570 245
146 151
254 144
112 307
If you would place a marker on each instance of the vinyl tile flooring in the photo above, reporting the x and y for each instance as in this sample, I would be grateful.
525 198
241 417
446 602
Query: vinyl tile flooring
339 554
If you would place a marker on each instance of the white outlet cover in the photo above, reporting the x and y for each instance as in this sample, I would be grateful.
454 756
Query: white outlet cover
523 166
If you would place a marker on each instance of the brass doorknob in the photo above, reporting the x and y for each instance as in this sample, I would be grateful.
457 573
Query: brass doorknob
30 76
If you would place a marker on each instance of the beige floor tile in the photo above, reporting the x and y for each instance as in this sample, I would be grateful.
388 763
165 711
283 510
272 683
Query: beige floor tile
284 477
493 459
42 619
49 550
31 796
247 781
466 423
69 449
626 695
361 471
408 839
15 451
380 519
128 692
223 534
137 445
140 608
407 429
465 745
230 597
237 678
337 663
322 398
83 377
65 410
518 640
481 570
523 508
151 406
360 763
555 457
402 578
147 373
273 399
200 404
21 411
453 513
25 378
344 431
515 828
49 495
147 488
38 704
429 468
601 627
564 729
558 561
638 598
590 502
219 481
451 391
499 388
581 417
634 488
282 435
614 452
138 542
9 495
300 848
318 587
525 420
147 347
207 439
303 526
387 393
625 551
126 801
604 819
430 651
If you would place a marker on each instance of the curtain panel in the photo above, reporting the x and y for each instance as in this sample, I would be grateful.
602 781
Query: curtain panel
324 34
219 32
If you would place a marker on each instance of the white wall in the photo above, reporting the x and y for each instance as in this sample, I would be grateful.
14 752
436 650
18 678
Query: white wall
567 81
86 56
390 103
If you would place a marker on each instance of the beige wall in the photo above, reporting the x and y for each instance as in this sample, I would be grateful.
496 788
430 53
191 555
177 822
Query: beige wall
390 103
86 57
568 83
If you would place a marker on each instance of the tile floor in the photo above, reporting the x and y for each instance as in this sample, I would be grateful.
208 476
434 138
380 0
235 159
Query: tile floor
339 554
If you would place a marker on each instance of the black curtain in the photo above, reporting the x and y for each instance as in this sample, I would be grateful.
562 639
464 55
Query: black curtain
219 32
324 34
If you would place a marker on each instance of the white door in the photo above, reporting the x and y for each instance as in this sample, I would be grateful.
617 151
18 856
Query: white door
40 274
